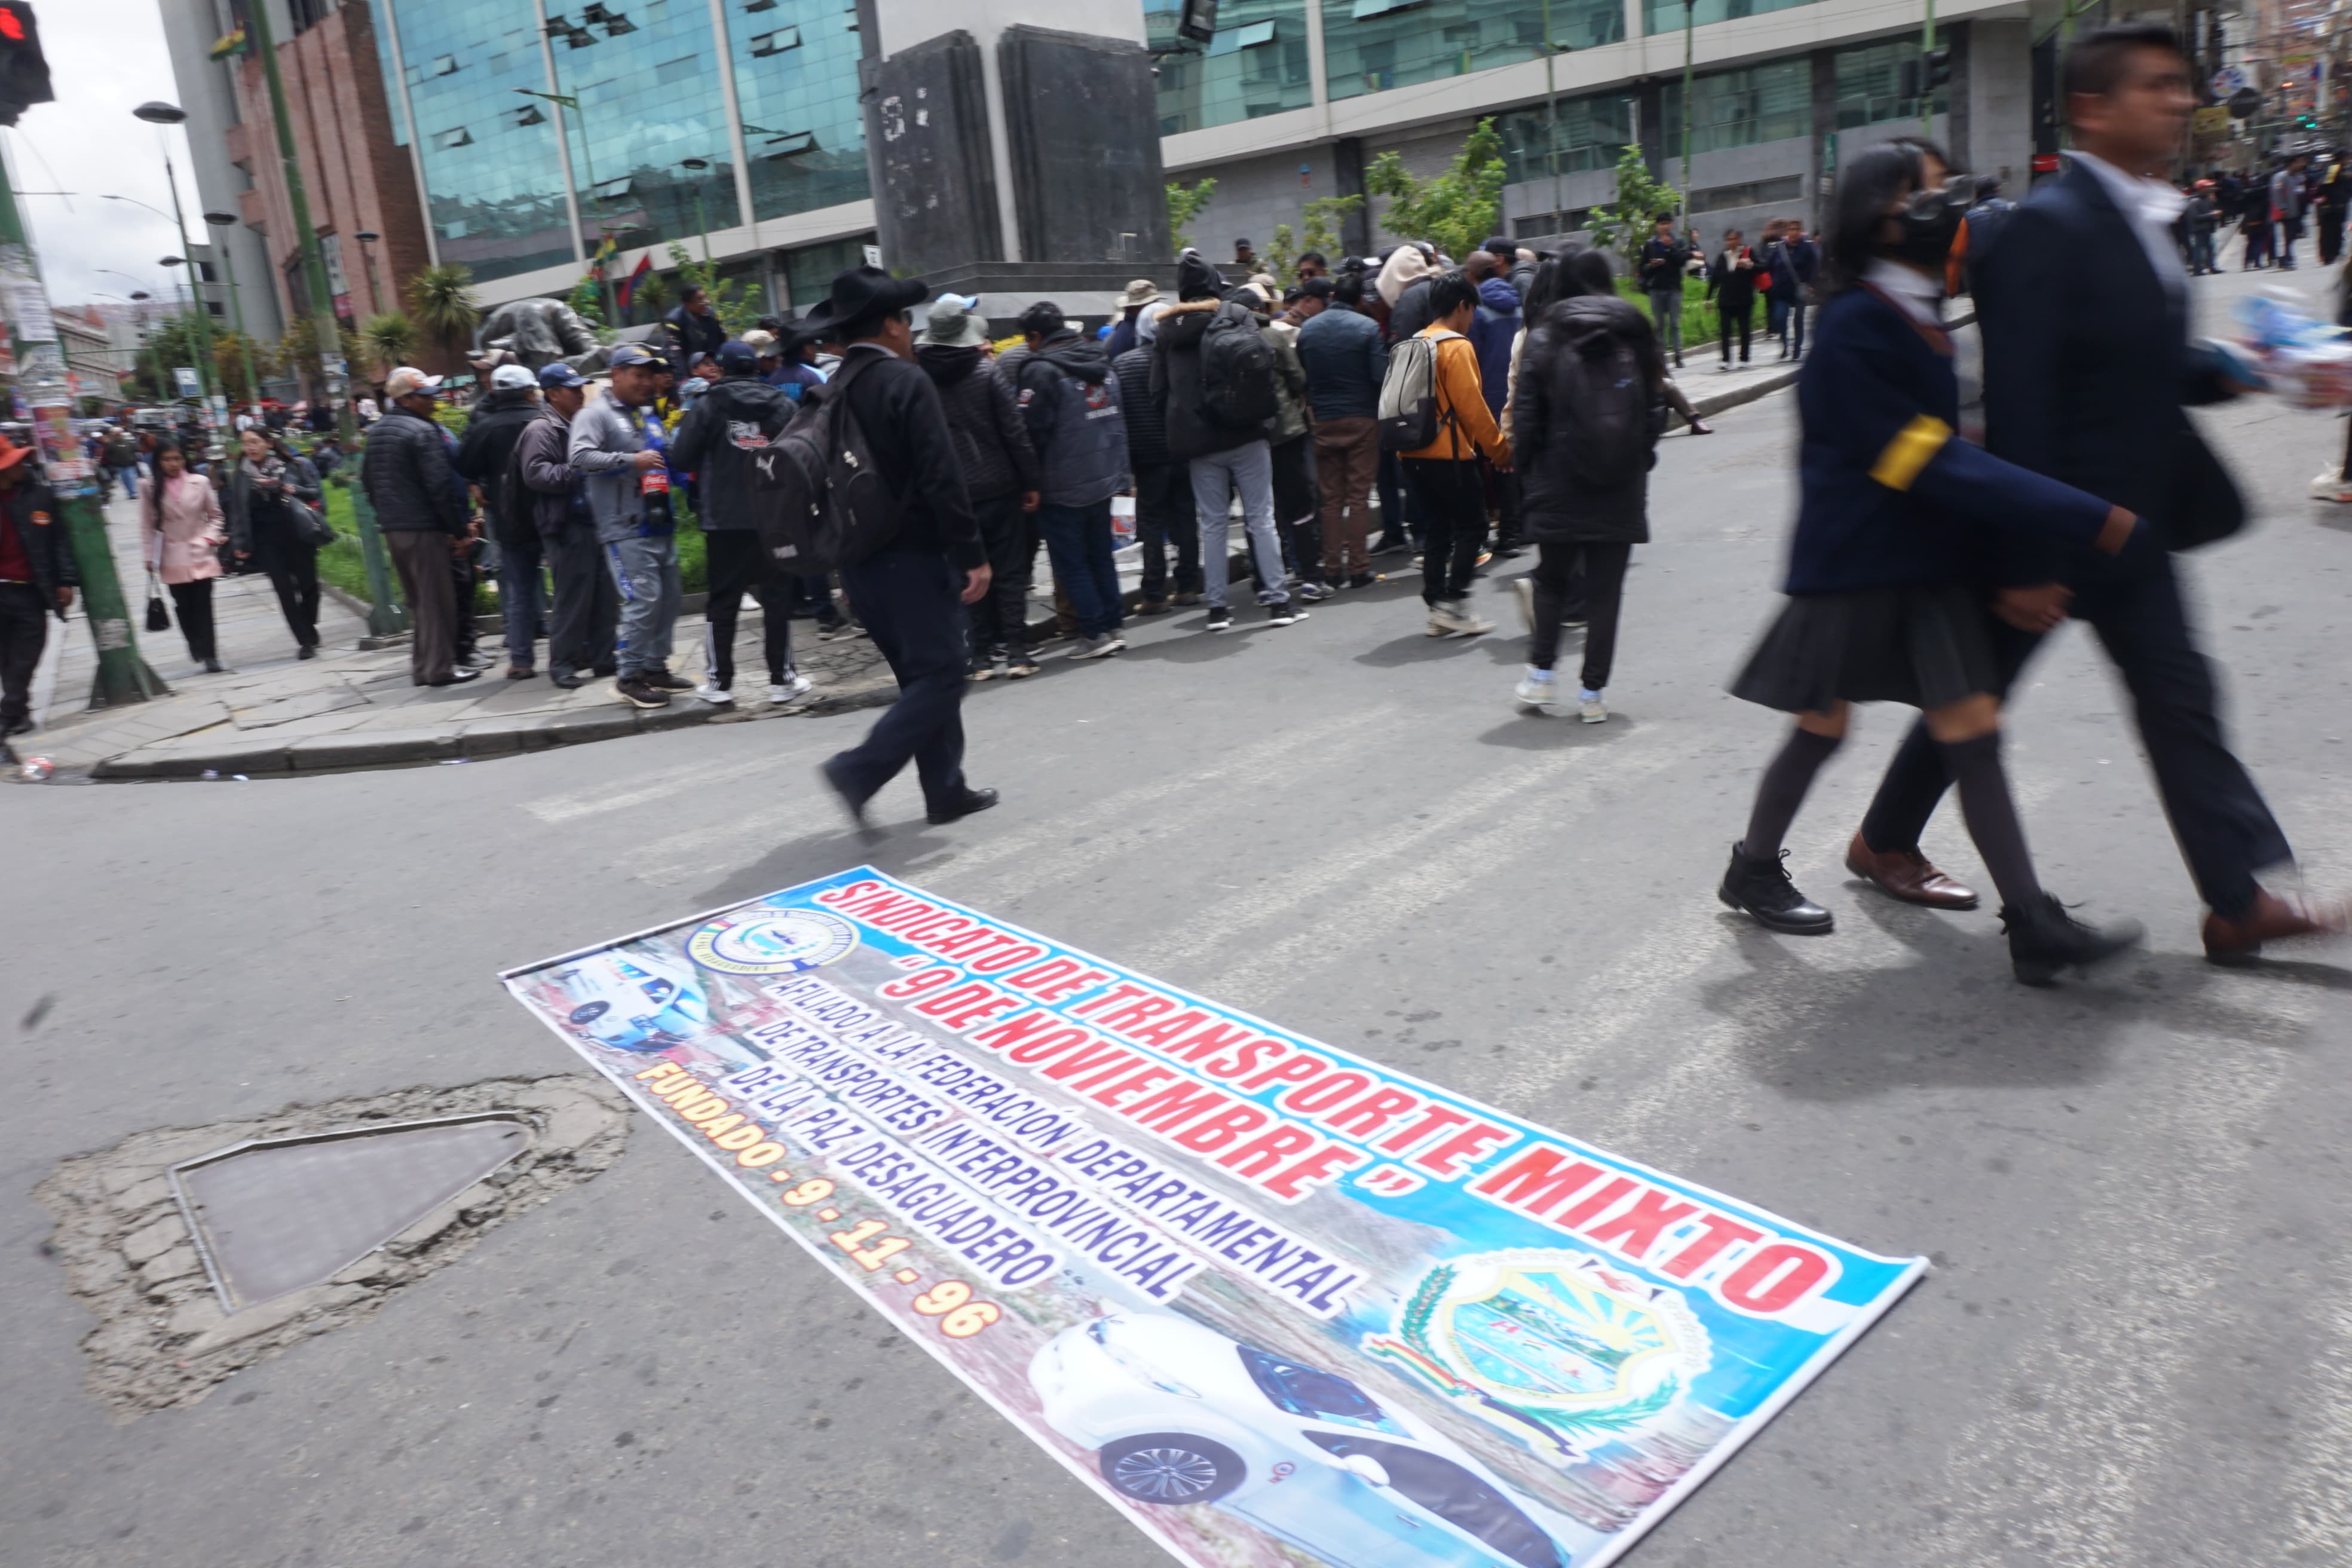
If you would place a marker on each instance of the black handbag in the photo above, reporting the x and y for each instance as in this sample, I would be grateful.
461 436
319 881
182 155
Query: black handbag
159 619
310 525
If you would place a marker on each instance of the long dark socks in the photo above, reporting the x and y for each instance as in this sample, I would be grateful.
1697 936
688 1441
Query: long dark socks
1993 817
1782 789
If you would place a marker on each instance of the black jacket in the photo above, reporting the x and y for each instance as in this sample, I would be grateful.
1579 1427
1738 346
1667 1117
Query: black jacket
1664 263
1554 508
686 336
1147 421
1411 313
1730 286
486 458
719 439
1176 382
240 504
543 459
41 529
991 442
2087 368
406 474
899 409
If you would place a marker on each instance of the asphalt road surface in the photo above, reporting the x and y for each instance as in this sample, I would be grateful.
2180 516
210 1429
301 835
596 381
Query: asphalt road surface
2135 1347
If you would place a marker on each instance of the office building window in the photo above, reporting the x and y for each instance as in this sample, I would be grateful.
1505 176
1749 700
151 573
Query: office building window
796 85
1870 84
1370 46
1256 64
493 182
810 270
648 80
1666 15
1592 131
1769 103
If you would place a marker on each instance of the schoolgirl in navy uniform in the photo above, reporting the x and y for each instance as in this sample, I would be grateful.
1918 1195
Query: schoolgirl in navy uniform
1896 511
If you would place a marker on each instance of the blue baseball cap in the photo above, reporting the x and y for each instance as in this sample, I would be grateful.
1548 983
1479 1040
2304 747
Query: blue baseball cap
627 354
738 358
560 375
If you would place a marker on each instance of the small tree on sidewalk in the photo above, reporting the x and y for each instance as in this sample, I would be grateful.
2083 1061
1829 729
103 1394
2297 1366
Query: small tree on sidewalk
1186 202
1623 223
1454 211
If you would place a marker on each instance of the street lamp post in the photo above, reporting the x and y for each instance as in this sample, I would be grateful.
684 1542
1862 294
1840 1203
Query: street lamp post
1690 19
698 167
225 221
385 613
367 239
160 114
1551 111
171 265
1926 91
563 100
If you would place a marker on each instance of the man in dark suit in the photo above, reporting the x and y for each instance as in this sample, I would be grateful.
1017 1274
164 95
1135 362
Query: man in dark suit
2084 311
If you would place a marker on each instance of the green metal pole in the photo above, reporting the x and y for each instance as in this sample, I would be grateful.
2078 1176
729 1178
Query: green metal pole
1551 110
205 369
1927 93
122 674
384 613
1690 14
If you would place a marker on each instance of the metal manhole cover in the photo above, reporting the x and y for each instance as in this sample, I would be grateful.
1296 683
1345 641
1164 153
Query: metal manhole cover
274 1215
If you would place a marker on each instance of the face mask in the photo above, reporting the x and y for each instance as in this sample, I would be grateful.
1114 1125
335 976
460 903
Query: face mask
1930 221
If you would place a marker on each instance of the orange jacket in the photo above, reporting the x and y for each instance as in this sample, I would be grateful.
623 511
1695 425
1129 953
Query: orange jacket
1466 427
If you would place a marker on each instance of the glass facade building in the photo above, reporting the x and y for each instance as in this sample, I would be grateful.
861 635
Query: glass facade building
1668 16
1592 132
1370 46
646 81
1768 103
1256 65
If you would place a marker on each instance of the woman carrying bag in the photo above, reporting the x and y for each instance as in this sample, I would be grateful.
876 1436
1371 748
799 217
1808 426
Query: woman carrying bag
273 520
184 531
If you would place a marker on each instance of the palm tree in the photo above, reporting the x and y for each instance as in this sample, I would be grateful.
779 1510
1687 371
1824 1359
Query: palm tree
388 341
441 302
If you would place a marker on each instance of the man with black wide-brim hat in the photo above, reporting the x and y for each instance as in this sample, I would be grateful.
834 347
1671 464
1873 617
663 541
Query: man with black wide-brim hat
911 593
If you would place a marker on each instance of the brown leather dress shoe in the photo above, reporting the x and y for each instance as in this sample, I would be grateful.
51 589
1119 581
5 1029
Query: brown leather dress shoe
2273 918
1908 875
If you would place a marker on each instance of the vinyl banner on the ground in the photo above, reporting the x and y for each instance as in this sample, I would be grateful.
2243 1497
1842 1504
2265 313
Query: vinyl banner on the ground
1272 1300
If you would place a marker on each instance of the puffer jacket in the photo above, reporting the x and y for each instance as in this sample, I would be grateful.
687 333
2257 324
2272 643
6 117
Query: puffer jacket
991 443
1147 419
406 474
1492 334
720 440
1554 508
1290 415
1176 382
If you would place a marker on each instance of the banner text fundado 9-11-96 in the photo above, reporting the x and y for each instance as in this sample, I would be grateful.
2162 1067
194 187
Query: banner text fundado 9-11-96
1257 1291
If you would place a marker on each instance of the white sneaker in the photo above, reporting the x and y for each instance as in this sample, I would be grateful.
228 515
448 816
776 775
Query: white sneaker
718 696
1455 616
1097 647
2328 484
790 689
1523 589
1592 710
1543 696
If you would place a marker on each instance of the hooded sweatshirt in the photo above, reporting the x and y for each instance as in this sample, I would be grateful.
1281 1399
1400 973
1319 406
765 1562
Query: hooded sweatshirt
718 441
1491 333
1405 264
992 441
1176 364
1070 405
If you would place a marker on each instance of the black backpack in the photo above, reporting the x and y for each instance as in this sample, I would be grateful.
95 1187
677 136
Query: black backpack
823 502
1236 370
1605 399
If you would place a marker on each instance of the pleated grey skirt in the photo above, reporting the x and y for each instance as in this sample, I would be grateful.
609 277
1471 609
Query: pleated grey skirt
1925 648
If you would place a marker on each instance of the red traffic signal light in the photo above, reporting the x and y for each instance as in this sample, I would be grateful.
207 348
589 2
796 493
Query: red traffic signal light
24 70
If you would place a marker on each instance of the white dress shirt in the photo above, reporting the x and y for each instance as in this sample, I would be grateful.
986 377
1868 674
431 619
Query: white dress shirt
2150 205
1921 297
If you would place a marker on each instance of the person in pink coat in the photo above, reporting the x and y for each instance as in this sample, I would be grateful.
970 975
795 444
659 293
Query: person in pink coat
185 531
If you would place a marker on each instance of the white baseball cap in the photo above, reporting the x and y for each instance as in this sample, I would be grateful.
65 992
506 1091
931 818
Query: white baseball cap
406 379
512 378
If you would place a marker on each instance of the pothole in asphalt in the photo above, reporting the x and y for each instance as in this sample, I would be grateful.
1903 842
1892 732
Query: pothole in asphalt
205 1249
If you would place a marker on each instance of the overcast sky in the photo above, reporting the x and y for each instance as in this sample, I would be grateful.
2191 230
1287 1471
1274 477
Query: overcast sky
106 57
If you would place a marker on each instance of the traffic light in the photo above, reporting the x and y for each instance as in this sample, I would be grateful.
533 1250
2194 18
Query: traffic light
1930 71
23 72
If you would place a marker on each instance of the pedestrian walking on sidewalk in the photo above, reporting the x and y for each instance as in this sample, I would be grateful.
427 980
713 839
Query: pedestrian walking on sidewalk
1586 412
2087 364
913 592
1212 374
485 460
1892 513
1000 477
1069 401
1666 262
1341 350
618 445
1165 516
185 531
38 579
1444 474
264 487
586 614
720 442
1731 279
405 471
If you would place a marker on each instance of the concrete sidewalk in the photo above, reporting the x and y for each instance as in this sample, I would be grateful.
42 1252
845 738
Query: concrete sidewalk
354 708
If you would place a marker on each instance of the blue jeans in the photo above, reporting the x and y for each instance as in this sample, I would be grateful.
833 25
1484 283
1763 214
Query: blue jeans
1077 539
644 572
522 597
1215 478
128 477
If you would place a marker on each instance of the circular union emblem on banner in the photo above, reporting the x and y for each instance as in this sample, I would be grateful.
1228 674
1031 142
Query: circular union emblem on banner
772 942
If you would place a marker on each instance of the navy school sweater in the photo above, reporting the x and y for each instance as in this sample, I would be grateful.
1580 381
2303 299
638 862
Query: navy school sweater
1892 497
